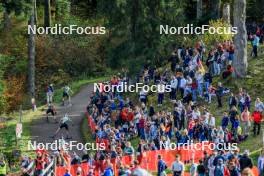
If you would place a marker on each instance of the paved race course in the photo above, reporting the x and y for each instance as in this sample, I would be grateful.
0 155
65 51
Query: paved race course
42 131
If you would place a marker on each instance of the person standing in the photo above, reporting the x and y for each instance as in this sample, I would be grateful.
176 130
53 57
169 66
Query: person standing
225 121
193 168
201 170
182 85
257 118
200 82
161 166
207 81
246 121
143 96
261 163
177 167
232 101
245 161
219 94
255 44
174 85
220 169
259 106
161 92
174 60
50 93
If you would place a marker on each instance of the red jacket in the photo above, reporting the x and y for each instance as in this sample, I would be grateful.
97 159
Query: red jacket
130 116
257 117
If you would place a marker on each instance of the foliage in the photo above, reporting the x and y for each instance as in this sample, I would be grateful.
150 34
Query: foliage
211 39
255 10
14 92
135 36
62 9
18 7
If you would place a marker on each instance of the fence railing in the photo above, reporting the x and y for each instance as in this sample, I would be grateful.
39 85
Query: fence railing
48 171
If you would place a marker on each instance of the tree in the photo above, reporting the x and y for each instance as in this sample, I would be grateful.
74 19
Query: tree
10 6
240 61
31 55
215 8
226 12
47 13
199 9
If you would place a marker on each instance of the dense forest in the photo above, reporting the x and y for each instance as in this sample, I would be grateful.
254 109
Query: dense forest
132 39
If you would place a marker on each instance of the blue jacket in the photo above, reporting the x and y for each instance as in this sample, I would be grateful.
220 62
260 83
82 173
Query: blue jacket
225 121
161 167
108 172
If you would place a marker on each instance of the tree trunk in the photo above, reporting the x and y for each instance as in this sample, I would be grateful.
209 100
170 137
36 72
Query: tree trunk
215 8
240 60
199 9
31 57
35 12
226 12
47 13
7 20
134 13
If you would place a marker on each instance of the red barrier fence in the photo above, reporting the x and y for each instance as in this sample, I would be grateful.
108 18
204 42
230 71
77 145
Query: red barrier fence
148 160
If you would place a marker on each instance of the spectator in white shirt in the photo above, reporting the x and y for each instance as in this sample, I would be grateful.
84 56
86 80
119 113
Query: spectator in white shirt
182 85
211 121
259 106
174 85
177 167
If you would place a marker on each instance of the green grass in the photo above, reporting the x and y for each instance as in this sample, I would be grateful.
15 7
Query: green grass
8 142
87 133
253 84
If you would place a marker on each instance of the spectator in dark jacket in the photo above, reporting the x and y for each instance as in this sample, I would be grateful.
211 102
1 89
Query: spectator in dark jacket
232 101
161 165
225 121
245 161
219 94
207 81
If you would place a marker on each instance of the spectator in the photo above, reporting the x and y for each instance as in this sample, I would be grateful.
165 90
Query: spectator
177 167
219 94
245 161
247 172
232 101
257 118
193 168
161 166
246 121
255 44
201 170
220 169
261 163
67 173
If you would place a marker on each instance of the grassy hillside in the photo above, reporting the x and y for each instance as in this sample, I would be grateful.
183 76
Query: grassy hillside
253 84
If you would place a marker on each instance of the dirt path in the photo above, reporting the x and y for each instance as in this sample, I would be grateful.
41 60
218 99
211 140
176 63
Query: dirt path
42 131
